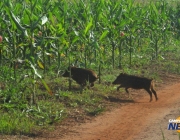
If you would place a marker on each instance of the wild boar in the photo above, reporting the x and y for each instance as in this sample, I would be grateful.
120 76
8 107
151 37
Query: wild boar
129 81
81 76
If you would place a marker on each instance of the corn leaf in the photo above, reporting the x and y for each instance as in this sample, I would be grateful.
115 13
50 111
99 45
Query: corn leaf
35 70
89 25
40 64
47 87
104 34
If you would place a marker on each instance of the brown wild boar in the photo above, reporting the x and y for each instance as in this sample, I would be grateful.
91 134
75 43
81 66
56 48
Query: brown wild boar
81 76
129 81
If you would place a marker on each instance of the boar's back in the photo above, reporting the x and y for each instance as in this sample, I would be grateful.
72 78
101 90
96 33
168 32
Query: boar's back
80 74
136 82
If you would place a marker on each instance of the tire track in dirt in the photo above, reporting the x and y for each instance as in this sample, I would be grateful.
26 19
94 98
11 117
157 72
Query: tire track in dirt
128 122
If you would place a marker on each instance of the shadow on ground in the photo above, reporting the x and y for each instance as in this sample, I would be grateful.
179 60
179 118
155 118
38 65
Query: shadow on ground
115 99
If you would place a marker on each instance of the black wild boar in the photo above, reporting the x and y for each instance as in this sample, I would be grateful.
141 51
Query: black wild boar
129 81
81 76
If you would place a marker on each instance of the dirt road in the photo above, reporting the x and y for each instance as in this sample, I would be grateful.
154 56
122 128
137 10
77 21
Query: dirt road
136 121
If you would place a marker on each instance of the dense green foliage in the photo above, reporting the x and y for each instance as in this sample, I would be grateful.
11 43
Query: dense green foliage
85 32
40 38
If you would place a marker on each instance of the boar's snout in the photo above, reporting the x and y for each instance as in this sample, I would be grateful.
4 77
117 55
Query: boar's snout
115 82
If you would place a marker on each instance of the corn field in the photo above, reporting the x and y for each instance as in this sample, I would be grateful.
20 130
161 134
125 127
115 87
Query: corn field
84 33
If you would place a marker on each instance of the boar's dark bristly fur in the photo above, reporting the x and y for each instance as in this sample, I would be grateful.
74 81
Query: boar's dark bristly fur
81 76
129 81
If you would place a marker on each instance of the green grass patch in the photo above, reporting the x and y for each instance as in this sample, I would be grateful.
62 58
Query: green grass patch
15 122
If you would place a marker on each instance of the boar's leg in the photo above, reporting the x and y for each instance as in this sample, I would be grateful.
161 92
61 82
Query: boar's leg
154 92
91 84
150 93
125 89
119 87
128 92
83 83
82 86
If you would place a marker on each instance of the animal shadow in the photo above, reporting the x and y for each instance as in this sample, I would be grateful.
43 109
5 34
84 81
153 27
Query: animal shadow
115 99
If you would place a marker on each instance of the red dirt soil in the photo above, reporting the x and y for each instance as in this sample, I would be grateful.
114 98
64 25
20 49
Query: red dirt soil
139 120
128 122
